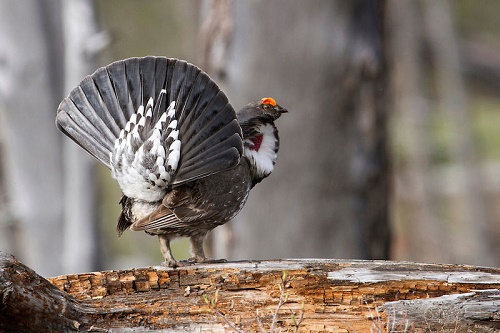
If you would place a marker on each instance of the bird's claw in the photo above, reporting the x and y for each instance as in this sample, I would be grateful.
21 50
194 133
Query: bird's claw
191 261
206 260
170 263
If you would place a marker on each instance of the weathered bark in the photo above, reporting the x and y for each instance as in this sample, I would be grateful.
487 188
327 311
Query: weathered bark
23 292
477 311
330 296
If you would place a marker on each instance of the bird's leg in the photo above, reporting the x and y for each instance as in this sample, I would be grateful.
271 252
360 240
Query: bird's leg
166 251
198 253
197 248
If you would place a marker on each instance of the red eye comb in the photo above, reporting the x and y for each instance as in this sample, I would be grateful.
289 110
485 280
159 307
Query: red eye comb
269 100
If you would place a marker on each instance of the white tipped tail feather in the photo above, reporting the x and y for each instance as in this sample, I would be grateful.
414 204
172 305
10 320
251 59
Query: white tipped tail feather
139 162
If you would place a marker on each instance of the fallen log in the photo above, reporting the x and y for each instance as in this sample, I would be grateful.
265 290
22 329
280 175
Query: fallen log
304 295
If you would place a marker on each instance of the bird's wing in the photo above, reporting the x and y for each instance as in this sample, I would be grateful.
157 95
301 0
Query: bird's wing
178 210
161 218
154 121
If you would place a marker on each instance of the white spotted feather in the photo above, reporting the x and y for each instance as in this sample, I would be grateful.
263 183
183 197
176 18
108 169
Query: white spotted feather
143 168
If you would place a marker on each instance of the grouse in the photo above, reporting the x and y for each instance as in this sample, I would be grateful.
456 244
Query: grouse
183 158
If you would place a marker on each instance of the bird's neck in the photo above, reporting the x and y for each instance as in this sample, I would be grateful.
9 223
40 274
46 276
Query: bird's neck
261 150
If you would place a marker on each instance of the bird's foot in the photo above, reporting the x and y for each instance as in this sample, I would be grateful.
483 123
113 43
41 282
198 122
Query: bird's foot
204 260
172 263
191 261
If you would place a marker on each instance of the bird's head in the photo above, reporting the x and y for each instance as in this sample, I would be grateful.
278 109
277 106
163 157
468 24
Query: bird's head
260 135
264 110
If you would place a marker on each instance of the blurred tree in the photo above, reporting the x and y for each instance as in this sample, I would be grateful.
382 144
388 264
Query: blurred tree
82 42
48 203
405 47
30 89
324 61
413 28
452 99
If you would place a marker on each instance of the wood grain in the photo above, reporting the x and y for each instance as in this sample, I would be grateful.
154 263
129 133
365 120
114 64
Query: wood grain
334 296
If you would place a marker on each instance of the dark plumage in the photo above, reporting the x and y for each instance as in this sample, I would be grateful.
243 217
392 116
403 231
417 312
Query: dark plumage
184 159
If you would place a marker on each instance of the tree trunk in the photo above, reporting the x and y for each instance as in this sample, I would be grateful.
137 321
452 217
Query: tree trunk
414 189
313 295
30 89
452 99
82 41
328 194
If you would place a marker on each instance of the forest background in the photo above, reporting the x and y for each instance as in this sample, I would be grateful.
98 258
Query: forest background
391 149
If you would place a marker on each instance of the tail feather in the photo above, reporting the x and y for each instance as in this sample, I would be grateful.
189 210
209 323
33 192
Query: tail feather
134 83
92 94
86 122
109 101
118 76
161 69
73 128
168 116
209 99
148 78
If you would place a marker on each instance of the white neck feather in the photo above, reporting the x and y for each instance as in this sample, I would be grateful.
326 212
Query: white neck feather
263 159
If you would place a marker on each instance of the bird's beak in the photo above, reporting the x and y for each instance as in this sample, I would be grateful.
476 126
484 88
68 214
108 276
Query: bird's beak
278 111
281 110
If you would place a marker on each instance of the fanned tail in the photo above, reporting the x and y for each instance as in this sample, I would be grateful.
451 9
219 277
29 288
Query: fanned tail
155 122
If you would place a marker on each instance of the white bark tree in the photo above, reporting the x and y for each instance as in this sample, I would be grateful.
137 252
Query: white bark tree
30 85
82 41
48 209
